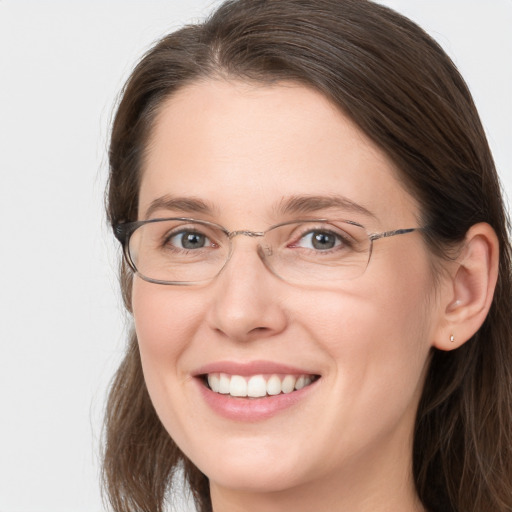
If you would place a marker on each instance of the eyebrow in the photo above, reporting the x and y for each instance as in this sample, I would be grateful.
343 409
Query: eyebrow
179 204
310 204
287 206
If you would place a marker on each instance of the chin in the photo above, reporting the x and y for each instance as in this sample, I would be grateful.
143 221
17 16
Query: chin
258 479
258 470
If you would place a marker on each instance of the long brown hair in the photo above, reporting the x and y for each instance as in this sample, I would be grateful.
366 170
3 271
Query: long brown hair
402 90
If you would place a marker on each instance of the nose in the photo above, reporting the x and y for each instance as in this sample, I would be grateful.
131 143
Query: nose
247 302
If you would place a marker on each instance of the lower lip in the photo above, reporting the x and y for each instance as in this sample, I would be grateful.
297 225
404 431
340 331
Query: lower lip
252 409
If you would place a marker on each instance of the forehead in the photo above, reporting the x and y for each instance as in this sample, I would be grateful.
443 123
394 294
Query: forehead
243 149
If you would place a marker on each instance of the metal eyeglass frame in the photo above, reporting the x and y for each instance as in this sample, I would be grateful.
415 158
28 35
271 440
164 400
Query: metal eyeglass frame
124 230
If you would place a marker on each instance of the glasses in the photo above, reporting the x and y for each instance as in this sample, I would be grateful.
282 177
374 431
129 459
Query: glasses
184 251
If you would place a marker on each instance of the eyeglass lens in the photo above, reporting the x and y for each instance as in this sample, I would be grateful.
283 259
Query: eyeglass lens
305 252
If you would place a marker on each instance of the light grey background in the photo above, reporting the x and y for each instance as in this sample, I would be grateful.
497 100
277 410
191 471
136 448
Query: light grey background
61 319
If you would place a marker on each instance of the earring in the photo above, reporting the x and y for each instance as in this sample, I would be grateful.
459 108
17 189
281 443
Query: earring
452 338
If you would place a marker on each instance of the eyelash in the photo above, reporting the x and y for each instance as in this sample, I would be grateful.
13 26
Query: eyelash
166 242
342 241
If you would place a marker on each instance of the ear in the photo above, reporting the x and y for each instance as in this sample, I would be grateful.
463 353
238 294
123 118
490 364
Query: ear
467 296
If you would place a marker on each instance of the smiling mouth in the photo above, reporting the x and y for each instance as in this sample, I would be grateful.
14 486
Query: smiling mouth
256 386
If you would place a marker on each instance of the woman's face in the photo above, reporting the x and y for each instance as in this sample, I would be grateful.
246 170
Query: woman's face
248 157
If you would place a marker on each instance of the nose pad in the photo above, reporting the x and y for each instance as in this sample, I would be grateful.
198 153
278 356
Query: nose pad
265 252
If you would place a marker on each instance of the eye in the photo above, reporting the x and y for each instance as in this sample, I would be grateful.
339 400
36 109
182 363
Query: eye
189 240
319 240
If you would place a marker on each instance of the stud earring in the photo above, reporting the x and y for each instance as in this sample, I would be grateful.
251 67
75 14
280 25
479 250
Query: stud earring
452 338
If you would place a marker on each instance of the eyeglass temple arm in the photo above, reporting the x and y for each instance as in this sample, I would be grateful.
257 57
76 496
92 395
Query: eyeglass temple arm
395 232
123 230
119 232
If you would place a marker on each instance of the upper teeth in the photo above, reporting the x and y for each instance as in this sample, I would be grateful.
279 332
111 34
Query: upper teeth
257 385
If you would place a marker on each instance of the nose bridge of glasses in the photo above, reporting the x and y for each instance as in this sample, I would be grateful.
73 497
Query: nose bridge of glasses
245 232
262 253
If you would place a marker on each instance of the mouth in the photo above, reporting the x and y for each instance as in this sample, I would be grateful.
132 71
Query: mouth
258 385
254 391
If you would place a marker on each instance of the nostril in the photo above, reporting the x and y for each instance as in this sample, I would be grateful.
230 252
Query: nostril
259 329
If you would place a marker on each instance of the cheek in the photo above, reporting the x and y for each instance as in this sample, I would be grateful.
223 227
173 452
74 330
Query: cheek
378 331
165 323
400 284
369 339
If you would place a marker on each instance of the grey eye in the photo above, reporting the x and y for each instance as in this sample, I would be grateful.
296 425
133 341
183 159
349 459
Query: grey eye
319 240
189 240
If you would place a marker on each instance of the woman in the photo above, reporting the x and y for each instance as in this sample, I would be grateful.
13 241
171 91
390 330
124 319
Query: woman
318 267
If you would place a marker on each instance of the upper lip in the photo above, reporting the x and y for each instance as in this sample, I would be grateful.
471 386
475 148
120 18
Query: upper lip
251 368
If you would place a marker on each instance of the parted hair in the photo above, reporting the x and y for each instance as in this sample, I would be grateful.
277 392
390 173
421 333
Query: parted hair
402 90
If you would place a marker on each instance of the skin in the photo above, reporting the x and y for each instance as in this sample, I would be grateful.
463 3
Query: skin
346 445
